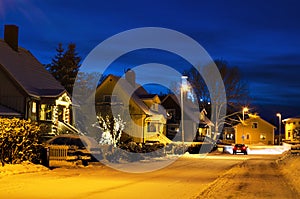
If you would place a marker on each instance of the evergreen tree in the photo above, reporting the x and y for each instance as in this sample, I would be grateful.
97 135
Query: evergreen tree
65 65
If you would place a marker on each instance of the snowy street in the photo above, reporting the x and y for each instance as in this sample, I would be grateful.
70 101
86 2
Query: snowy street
192 176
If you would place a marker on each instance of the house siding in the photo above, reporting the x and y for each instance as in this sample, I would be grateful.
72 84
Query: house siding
133 109
10 94
247 134
292 126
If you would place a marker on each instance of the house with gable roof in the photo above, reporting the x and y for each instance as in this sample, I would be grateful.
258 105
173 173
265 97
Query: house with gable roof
254 130
144 116
27 89
292 129
192 115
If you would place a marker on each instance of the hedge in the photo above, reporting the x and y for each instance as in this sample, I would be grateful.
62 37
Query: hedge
18 140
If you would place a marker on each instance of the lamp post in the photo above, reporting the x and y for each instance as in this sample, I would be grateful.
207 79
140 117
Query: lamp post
279 117
245 109
184 87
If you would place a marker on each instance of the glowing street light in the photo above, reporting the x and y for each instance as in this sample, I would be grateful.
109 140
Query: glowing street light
245 109
279 117
184 88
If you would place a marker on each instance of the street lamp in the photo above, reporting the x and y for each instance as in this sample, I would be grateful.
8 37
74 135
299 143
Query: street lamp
279 117
245 109
184 87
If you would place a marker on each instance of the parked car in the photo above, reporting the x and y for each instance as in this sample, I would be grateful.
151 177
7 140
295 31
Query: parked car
81 147
240 148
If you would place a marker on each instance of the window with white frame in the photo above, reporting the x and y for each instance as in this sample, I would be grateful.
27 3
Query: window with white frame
154 107
152 127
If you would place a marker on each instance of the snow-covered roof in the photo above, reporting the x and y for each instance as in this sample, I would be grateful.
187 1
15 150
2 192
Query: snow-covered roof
5 111
28 72
126 87
292 119
253 117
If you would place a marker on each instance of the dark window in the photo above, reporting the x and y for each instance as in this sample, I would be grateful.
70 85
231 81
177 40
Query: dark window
110 98
254 125
151 127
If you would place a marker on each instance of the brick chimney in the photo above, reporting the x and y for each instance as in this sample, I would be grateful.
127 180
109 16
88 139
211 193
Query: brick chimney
130 77
11 37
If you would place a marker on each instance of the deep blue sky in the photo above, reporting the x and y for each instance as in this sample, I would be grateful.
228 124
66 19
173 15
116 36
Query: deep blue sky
261 37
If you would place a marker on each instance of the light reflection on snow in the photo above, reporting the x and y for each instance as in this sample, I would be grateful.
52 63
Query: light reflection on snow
261 150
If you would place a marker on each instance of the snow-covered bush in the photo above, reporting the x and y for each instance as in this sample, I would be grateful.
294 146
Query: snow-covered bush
18 140
111 128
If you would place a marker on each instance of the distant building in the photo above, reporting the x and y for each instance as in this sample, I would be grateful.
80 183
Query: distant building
254 130
173 109
292 129
27 89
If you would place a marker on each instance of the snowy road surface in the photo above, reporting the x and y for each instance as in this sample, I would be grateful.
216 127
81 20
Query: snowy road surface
216 176
252 179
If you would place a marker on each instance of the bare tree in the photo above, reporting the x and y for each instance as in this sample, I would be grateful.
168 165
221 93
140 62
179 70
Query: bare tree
237 93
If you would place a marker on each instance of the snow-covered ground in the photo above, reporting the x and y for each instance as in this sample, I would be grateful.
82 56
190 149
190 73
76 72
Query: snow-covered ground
258 178
25 167
191 176
290 167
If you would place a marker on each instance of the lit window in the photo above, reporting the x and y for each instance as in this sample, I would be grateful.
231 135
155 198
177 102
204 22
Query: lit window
262 136
154 107
171 113
33 109
254 125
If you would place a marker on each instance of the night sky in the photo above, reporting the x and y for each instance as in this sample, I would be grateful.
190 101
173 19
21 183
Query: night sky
262 38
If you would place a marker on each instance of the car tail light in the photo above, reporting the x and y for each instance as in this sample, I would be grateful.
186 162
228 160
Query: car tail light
244 147
234 148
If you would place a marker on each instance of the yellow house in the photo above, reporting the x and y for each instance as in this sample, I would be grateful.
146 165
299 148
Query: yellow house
144 116
254 130
292 129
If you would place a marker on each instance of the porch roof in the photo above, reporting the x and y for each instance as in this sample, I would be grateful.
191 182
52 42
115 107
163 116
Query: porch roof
5 111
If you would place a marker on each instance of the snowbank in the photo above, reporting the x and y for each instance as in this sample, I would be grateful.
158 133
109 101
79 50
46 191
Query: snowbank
289 165
25 167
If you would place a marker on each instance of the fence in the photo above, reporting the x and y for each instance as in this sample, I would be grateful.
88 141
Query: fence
58 155
295 149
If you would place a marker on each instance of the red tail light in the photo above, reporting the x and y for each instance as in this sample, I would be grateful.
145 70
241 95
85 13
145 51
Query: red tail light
234 148
244 147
